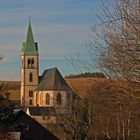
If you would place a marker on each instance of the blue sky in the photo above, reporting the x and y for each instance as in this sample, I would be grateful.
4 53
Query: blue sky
60 27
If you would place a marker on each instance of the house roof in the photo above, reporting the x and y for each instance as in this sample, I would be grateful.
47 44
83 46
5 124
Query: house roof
29 128
30 47
39 111
52 80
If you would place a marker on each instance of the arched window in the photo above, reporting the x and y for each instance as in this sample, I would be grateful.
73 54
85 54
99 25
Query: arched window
31 77
32 63
47 99
58 99
29 62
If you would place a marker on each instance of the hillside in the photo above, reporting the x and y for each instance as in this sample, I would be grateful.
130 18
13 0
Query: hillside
78 85
82 85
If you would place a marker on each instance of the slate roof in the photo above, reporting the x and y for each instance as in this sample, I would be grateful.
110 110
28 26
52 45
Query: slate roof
52 80
30 47
40 111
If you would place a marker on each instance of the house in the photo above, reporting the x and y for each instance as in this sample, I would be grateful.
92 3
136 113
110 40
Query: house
44 115
29 128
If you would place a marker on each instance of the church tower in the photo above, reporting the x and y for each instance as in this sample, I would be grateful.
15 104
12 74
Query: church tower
29 68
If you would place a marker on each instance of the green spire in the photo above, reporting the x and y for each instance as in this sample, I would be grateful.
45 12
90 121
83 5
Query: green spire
30 47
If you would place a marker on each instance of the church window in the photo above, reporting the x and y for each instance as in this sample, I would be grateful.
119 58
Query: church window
58 99
30 93
30 102
32 63
47 99
31 77
29 62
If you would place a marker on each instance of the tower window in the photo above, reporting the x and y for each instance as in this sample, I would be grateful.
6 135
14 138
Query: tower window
30 93
31 77
32 63
47 99
58 99
29 62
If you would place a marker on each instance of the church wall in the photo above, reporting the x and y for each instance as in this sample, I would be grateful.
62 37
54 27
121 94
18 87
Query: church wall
35 77
64 106
40 98
63 98
26 97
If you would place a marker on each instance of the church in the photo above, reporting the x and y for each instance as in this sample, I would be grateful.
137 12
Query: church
48 90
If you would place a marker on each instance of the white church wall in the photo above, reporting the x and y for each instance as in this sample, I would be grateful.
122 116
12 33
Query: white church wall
40 98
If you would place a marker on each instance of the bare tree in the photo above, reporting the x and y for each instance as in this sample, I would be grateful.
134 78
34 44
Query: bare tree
113 110
76 123
117 39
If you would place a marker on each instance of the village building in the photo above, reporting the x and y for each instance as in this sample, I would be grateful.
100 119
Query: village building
44 115
23 127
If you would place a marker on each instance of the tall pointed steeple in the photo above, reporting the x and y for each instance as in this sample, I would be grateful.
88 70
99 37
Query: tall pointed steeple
29 68
30 47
